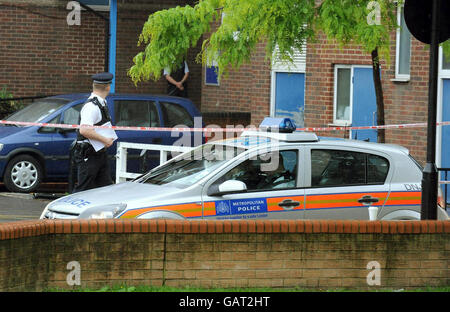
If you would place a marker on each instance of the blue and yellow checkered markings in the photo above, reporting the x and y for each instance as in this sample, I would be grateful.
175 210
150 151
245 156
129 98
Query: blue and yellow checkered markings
261 205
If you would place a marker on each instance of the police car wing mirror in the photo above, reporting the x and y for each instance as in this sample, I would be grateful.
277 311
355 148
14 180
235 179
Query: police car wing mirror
227 187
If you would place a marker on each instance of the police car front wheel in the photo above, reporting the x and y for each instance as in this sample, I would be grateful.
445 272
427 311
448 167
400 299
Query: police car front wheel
23 174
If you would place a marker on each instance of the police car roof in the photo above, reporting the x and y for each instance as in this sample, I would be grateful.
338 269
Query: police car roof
254 141
296 136
250 139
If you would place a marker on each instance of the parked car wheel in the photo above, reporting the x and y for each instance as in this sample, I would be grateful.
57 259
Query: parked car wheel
23 174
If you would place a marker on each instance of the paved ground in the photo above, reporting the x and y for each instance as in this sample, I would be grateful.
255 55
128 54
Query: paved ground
17 206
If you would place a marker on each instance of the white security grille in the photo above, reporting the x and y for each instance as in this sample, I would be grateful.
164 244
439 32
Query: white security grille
298 64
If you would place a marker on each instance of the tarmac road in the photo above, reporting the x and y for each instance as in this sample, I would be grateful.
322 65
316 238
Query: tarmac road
19 206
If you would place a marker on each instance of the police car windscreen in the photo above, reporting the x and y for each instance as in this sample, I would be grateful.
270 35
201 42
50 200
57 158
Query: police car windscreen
38 110
192 166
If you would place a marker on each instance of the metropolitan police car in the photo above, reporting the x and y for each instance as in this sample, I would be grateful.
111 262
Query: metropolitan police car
273 173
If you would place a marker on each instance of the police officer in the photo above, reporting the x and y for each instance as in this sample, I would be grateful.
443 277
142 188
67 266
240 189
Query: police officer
176 81
93 165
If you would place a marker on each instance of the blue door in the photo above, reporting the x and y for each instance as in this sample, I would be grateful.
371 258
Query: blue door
364 112
290 96
445 143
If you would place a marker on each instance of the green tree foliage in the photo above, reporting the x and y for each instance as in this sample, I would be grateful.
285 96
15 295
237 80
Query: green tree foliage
286 24
168 34
8 106
366 23
446 49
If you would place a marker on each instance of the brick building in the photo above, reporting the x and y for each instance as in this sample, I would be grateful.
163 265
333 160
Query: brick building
41 54
333 86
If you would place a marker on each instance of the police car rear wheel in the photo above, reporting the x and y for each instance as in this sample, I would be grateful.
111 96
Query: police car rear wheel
23 174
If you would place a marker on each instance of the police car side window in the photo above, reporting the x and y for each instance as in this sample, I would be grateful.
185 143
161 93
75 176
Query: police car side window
346 168
135 113
175 115
266 172
377 169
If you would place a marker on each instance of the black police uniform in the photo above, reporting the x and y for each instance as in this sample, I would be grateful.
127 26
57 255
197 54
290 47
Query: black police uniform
93 166
177 76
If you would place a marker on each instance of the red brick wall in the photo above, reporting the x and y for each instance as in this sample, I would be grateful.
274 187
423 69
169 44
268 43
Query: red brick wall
244 90
41 54
279 254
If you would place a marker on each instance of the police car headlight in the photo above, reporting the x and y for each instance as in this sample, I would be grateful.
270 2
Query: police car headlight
103 212
1 146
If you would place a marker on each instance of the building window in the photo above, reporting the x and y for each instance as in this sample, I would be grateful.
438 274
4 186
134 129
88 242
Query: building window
211 73
95 2
342 92
445 62
96 5
403 49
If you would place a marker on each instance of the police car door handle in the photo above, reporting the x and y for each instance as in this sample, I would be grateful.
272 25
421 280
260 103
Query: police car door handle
368 200
289 204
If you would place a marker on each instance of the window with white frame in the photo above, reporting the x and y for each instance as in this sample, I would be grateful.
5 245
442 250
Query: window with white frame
211 72
342 95
97 5
445 61
279 66
403 48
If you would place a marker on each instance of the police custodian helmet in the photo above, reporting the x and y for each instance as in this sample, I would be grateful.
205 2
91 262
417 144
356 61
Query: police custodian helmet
103 78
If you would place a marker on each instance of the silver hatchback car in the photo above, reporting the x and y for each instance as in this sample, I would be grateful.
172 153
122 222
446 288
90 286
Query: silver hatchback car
274 174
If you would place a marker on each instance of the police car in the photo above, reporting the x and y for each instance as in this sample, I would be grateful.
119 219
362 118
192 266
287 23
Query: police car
273 173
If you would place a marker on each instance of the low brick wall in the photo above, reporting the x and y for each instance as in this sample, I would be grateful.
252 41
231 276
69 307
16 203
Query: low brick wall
36 255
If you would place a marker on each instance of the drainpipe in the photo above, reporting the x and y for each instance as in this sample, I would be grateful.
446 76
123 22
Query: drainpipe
112 41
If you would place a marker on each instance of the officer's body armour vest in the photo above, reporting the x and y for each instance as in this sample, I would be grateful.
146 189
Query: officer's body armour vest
106 117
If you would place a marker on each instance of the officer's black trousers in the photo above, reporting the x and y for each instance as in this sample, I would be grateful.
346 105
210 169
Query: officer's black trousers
93 172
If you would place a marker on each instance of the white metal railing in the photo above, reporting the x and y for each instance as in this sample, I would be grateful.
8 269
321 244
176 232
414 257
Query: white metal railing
121 156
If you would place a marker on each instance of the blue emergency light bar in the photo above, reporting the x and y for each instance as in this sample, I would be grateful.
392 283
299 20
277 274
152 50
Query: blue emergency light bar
281 125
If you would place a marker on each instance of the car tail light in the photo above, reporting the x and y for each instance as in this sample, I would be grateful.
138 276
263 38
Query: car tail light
441 199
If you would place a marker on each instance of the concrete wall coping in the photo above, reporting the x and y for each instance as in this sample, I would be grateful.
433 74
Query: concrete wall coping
20 229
